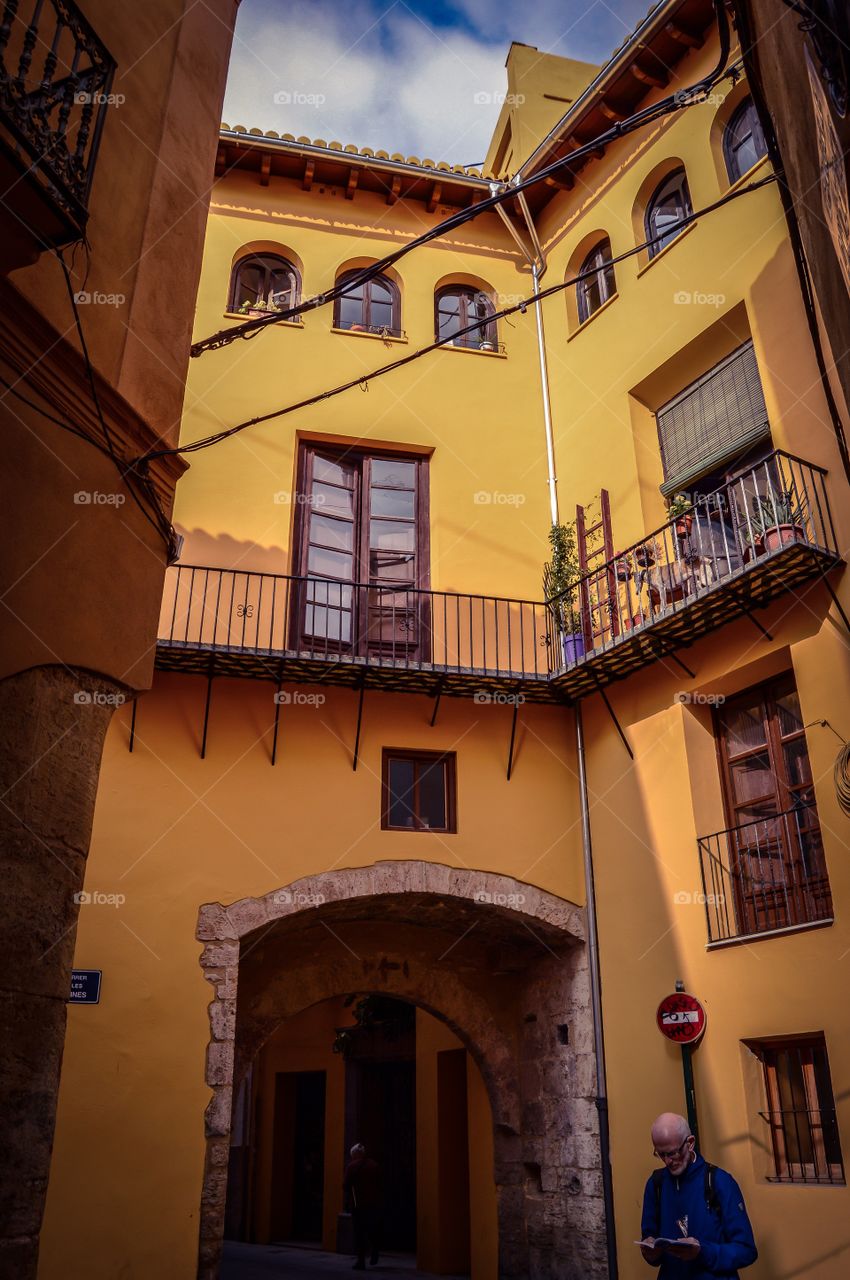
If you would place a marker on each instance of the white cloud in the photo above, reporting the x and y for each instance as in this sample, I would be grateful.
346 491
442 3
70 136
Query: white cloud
382 75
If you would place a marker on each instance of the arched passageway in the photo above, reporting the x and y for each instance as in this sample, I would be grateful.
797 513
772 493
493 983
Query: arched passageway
500 962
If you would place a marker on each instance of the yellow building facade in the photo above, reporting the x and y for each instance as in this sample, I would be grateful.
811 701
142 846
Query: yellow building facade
375 764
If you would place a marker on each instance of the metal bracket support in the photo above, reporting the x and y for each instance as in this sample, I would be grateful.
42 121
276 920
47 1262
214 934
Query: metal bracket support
359 724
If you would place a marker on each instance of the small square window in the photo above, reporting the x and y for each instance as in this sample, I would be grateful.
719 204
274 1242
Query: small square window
419 791
800 1114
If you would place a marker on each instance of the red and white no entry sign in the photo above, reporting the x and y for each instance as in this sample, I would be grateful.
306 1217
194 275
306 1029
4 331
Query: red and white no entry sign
681 1018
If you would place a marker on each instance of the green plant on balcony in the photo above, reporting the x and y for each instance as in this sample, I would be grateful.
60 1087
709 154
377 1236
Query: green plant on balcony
560 577
681 509
260 307
775 519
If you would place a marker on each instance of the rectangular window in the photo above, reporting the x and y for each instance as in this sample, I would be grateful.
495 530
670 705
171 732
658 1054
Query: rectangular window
776 876
362 551
712 420
419 791
800 1110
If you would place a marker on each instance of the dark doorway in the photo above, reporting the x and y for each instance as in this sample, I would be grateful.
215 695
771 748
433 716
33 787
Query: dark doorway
298 1165
380 1104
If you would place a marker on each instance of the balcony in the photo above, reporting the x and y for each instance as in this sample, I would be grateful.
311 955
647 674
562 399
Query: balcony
765 876
738 549
55 77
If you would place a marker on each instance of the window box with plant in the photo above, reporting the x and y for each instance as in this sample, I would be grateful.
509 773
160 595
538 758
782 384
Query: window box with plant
560 585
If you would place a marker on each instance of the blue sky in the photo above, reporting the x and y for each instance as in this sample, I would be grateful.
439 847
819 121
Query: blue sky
404 75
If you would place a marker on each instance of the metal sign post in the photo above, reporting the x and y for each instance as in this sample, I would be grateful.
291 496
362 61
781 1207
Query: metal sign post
681 1018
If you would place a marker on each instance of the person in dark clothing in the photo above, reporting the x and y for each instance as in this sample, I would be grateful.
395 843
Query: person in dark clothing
694 1223
363 1185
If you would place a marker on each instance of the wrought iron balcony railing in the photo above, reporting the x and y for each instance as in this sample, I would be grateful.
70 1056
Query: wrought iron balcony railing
55 80
732 554
733 551
765 875
282 626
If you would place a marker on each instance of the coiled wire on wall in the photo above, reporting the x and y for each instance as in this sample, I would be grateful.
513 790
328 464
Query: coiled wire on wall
841 768
841 775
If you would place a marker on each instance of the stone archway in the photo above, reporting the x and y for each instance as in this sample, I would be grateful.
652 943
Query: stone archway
501 962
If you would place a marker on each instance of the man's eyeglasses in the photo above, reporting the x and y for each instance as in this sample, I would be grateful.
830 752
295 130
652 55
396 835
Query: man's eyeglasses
672 1155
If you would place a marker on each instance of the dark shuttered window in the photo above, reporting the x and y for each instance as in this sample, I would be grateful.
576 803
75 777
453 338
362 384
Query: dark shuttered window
712 420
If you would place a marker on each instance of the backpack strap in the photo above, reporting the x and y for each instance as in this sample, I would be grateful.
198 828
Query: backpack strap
712 1200
657 1179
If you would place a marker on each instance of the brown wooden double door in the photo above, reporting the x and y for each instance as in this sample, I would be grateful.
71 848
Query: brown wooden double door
776 861
362 541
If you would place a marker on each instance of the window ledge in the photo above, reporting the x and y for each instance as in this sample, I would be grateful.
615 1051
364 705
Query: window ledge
749 938
747 177
364 333
475 351
672 245
295 323
591 318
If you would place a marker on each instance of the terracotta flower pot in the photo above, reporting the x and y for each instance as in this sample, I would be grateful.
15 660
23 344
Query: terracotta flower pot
683 525
780 535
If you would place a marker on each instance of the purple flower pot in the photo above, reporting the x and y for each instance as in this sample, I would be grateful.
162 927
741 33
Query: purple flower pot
573 648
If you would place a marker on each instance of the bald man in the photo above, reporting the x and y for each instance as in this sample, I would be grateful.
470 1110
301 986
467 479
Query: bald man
694 1223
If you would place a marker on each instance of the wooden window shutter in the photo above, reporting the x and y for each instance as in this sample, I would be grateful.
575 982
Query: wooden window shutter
714 418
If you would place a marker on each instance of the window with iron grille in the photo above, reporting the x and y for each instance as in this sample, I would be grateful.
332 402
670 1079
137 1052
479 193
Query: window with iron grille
712 420
419 791
800 1111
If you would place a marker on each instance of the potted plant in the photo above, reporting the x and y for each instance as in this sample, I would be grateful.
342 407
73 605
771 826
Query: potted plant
776 519
486 345
258 308
560 585
646 553
681 509
623 568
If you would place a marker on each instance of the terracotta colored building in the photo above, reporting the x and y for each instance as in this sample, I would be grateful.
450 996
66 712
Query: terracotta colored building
108 124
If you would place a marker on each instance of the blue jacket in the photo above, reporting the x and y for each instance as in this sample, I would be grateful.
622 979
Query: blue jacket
726 1239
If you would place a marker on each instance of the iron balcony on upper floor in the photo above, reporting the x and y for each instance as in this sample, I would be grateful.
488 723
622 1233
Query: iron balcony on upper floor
738 548
55 80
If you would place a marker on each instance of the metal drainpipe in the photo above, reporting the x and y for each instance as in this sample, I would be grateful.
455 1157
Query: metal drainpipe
538 267
596 1006
537 263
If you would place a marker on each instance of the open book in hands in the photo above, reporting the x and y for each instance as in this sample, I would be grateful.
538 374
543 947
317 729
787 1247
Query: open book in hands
676 1247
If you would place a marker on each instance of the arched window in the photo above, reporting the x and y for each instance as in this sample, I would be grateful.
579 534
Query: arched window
743 141
598 287
263 282
373 307
669 206
459 306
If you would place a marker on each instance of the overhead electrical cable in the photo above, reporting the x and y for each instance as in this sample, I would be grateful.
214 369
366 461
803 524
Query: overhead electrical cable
364 379
677 101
